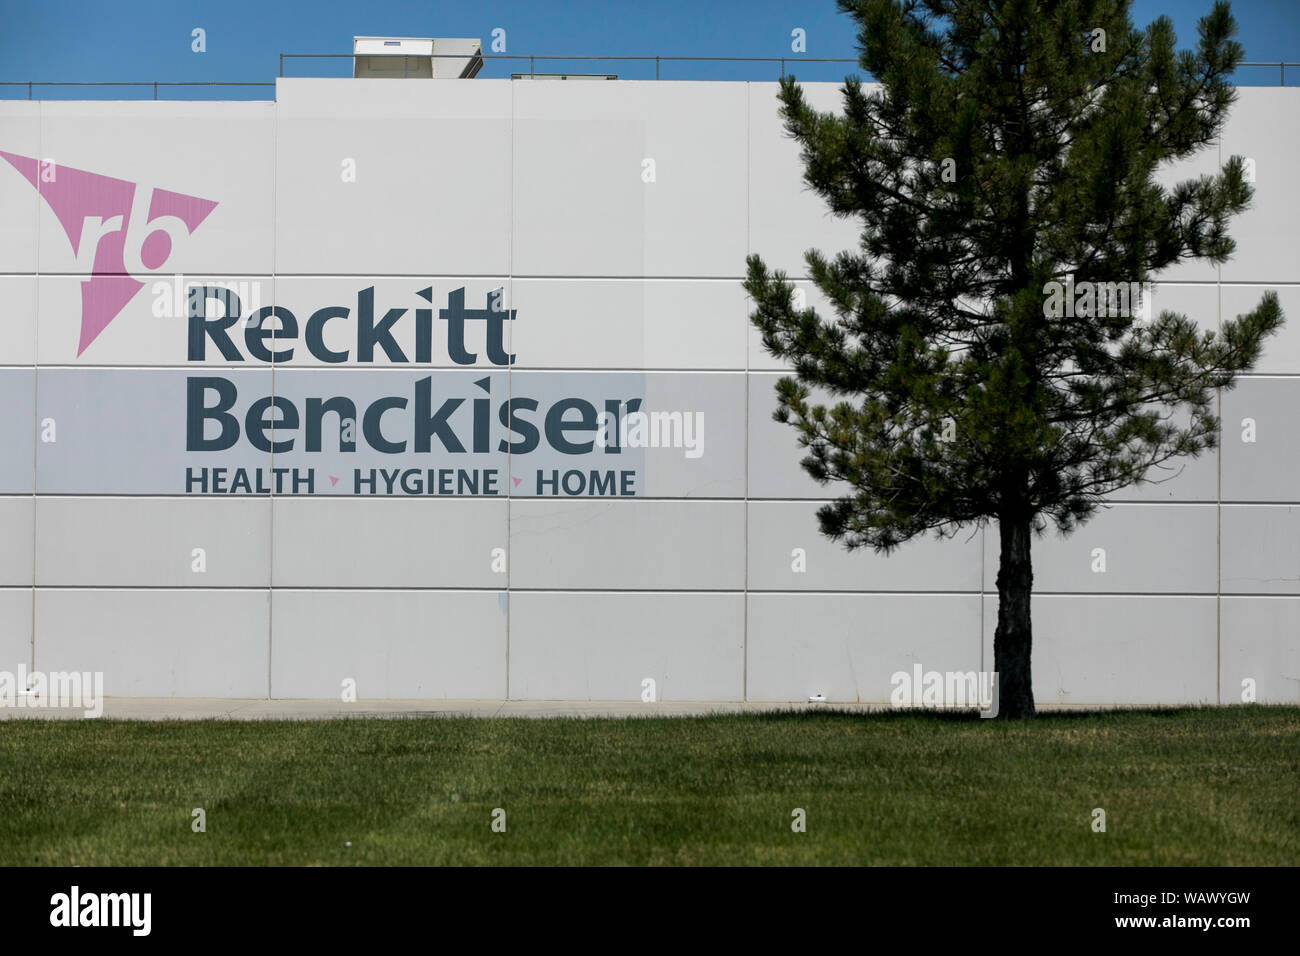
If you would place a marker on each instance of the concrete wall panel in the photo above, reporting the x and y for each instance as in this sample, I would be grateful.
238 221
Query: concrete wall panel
18 345
152 328
351 154
393 644
1260 549
786 217
652 545
1119 650
157 643
389 543
20 137
16 516
17 429
592 646
15 628
583 202
1260 644
1148 549
1265 233
213 162
847 647
153 542
1261 443
629 324
778 529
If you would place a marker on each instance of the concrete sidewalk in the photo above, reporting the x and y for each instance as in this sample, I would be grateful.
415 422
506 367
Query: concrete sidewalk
211 708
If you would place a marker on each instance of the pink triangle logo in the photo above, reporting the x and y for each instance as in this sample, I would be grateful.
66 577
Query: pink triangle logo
105 216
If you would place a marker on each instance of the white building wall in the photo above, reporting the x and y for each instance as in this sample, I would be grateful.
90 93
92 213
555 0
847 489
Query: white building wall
622 287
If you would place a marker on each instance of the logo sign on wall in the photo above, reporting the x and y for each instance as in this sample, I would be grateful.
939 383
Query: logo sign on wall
117 232
360 397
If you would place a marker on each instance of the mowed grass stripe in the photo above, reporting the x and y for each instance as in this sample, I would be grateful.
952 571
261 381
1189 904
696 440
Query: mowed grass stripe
1188 786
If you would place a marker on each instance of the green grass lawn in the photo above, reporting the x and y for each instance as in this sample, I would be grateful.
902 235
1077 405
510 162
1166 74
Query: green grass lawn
1187 786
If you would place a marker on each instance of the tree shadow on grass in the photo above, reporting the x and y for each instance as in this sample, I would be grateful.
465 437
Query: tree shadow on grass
923 715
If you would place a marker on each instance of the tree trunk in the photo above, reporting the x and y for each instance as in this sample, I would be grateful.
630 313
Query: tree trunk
1014 637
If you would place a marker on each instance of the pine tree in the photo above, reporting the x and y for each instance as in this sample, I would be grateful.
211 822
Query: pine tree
1007 146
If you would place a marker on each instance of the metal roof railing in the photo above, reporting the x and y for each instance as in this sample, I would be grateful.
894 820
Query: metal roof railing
1281 66
155 84
656 60
781 62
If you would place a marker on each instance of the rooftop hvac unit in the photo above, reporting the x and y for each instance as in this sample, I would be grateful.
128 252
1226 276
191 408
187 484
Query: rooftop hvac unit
416 58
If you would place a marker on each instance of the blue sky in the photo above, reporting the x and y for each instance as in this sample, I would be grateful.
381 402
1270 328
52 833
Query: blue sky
85 40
